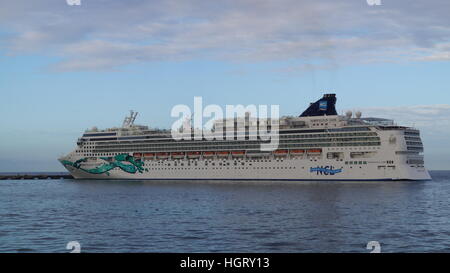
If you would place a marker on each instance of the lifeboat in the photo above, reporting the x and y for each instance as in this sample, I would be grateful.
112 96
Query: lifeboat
137 155
297 152
149 155
237 153
208 154
314 151
178 155
223 154
194 154
162 155
280 152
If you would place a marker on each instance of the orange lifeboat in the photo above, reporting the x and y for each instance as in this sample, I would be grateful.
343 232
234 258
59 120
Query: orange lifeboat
237 153
223 154
178 155
137 155
280 152
314 151
149 155
162 155
194 154
208 154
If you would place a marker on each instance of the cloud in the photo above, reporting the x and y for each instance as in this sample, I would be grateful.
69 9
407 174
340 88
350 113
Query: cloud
432 120
439 52
108 34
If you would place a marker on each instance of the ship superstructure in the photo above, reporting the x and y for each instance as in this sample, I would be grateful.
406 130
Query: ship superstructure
317 145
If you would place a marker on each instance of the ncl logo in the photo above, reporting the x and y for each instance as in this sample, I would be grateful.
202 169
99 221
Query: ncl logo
327 170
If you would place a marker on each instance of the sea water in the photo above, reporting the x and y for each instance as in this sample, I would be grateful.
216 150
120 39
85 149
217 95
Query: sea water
190 216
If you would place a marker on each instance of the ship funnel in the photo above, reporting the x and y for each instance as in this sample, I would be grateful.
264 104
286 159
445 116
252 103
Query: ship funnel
326 106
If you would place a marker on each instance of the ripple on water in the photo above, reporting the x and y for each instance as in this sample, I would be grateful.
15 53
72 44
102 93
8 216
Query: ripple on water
21 250
279 245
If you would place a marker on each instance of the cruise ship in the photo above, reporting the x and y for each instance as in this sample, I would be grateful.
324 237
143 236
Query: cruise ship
319 144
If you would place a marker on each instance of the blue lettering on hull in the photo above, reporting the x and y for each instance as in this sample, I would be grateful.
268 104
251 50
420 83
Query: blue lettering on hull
327 170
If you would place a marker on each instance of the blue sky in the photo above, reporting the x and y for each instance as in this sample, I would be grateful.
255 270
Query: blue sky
66 68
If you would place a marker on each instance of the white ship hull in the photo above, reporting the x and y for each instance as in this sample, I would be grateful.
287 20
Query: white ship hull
289 170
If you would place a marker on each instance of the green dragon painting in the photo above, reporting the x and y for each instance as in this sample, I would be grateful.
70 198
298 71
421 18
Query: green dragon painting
135 166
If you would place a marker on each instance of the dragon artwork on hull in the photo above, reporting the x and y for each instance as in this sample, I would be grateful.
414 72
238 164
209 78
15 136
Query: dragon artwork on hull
112 163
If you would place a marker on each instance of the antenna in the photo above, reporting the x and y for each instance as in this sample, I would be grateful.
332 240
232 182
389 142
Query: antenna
129 121
133 117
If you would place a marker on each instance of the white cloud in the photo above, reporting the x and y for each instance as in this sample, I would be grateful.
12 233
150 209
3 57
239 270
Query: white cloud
432 120
107 34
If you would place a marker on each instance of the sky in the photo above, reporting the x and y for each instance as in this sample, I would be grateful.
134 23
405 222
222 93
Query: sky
65 68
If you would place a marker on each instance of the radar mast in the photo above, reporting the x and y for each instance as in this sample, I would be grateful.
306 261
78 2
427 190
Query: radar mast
129 121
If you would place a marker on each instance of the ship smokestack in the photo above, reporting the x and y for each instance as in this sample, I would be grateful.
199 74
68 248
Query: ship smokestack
326 106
